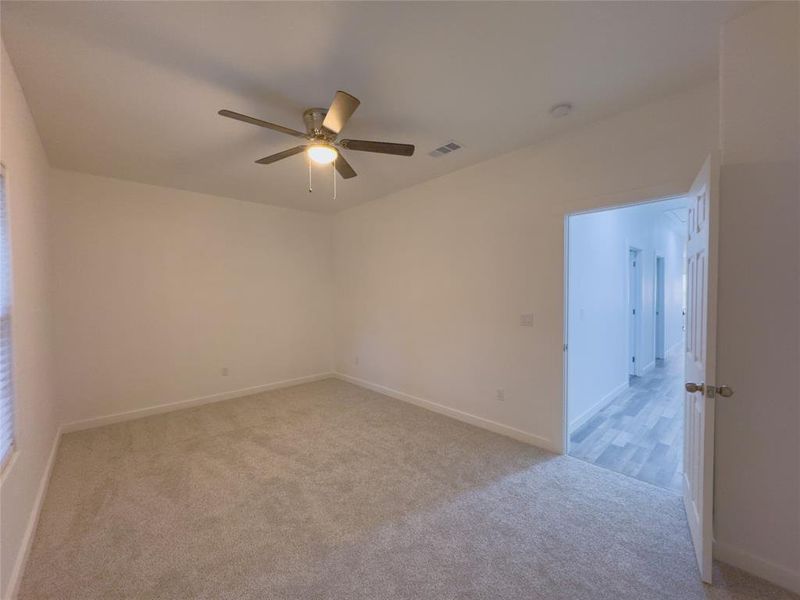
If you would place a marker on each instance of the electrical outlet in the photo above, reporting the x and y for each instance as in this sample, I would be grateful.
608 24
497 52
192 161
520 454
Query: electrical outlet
355 360
224 371
501 395
526 320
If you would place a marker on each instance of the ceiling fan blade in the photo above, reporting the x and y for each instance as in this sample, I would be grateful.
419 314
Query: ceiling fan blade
380 147
280 155
342 108
344 168
253 121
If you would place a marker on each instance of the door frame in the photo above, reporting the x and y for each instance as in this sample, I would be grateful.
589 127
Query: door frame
637 199
634 311
659 318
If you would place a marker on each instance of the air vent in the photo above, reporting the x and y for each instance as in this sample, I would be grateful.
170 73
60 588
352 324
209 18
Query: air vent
447 148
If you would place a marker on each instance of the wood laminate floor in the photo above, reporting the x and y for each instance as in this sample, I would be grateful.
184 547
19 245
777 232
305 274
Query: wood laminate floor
640 432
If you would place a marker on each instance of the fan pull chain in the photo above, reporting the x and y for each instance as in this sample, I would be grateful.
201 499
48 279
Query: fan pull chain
309 176
333 170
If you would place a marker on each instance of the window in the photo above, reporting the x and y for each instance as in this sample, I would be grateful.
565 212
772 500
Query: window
6 387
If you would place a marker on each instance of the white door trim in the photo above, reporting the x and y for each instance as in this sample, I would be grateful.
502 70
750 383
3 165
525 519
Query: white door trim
634 320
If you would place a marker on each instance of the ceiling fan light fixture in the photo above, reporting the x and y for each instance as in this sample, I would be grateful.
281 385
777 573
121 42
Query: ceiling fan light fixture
320 142
322 154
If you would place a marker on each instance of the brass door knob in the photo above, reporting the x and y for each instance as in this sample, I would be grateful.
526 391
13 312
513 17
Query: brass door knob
725 391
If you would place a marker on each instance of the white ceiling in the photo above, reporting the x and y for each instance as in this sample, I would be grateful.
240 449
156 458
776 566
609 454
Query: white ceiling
131 89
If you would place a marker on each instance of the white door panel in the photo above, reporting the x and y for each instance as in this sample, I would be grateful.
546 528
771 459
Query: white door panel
701 269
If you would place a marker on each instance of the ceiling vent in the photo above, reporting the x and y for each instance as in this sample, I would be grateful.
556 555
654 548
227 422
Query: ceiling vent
447 148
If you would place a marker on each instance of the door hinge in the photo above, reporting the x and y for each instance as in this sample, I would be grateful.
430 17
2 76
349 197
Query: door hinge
633 359
565 347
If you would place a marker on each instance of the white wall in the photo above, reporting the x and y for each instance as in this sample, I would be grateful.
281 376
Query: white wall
27 195
157 290
598 298
431 281
757 495
671 242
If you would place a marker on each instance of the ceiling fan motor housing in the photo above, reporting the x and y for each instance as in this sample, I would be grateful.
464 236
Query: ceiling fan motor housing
313 118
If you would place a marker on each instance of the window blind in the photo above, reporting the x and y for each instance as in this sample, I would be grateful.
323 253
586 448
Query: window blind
6 384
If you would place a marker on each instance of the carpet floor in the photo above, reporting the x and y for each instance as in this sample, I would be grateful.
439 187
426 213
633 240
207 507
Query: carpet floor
330 491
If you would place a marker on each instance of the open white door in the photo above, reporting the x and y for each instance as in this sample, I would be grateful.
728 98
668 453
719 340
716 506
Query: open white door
701 335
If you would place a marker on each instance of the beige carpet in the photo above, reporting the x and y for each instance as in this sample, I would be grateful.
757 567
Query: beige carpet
329 491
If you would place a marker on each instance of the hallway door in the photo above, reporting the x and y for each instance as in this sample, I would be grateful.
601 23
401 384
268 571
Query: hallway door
660 306
700 362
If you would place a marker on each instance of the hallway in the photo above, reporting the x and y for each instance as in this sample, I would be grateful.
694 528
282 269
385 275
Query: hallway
640 432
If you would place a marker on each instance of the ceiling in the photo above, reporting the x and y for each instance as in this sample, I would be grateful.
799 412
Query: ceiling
131 89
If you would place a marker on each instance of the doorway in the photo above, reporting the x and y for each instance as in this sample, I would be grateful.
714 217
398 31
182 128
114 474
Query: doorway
625 282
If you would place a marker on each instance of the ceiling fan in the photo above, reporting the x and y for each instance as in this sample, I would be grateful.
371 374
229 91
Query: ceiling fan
323 127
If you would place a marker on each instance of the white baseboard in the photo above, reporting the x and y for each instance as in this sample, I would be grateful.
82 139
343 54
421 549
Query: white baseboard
596 407
648 368
33 520
517 434
180 404
674 349
672 352
759 567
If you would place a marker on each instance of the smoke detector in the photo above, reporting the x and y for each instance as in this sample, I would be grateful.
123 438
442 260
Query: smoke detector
561 110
